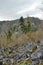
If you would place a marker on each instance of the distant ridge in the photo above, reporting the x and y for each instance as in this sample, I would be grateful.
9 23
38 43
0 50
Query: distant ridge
4 25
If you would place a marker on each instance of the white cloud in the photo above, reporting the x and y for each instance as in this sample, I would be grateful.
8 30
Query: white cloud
12 9
39 15
30 8
1 18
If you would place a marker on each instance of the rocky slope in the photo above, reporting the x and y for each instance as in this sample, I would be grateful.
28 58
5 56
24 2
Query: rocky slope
15 54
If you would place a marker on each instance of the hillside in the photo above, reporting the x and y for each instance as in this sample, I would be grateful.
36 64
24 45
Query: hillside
5 25
19 48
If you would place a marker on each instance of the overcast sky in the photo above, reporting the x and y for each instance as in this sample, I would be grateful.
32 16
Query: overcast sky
12 9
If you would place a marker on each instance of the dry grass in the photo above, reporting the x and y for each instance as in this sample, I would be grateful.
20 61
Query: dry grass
34 36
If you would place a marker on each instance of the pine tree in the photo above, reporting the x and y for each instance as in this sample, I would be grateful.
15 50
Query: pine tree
22 24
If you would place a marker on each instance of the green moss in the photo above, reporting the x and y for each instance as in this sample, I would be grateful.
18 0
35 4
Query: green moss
26 62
